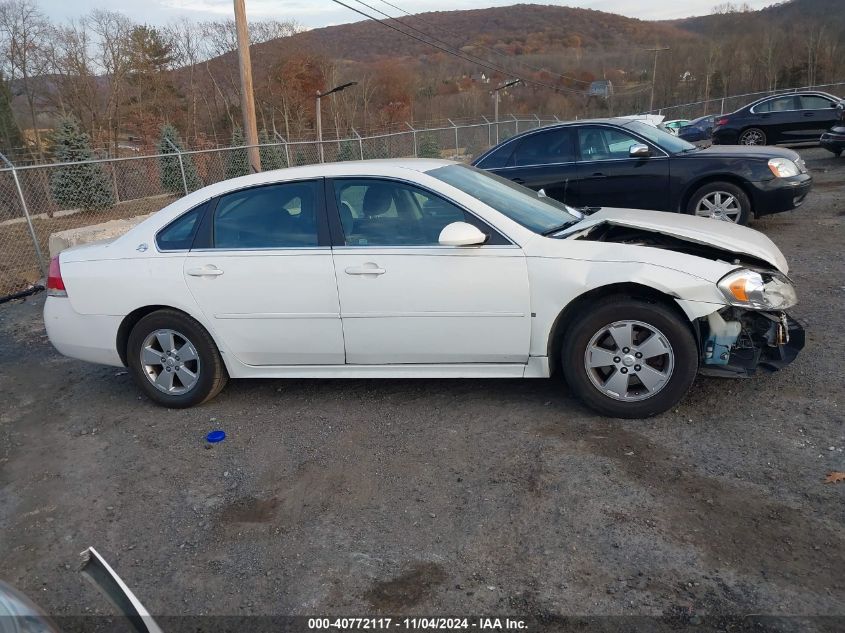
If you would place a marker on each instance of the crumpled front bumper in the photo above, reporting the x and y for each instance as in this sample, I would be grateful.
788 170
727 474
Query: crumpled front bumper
767 342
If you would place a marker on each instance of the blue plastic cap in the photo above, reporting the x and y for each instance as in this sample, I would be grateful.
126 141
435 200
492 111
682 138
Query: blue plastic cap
215 436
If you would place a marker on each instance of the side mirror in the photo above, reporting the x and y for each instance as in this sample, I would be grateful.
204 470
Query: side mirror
461 234
639 151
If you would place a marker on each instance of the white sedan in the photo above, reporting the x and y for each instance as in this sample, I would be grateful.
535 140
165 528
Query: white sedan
422 268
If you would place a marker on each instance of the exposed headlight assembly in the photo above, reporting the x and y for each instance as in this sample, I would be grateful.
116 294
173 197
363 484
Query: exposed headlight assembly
783 167
749 289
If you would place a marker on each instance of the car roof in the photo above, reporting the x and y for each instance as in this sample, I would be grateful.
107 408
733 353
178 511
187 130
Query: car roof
809 93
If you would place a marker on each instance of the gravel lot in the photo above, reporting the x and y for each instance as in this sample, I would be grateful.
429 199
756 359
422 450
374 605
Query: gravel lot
442 497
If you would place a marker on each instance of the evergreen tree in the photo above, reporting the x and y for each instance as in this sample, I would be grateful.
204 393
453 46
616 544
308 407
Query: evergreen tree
272 156
169 171
83 186
346 151
376 148
428 147
299 159
237 163
10 133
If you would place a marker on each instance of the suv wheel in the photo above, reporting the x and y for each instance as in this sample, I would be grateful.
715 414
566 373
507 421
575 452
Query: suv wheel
174 360
627 358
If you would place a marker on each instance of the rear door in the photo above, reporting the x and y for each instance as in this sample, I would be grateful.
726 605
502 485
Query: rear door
545 160
780 118
265 277
609 177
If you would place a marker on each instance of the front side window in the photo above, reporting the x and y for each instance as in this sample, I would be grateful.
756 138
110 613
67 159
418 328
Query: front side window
549 147
388 213
598 143
283 215
815 102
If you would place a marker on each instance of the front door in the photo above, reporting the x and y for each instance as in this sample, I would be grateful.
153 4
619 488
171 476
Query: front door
818 114
406 299
609 177
266 284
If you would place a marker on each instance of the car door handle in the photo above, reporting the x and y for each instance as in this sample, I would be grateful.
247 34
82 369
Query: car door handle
598 174
809 114
367 269
518 181
205 271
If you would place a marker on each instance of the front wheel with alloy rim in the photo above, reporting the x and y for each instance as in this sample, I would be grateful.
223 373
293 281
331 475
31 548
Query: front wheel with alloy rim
721 201
174 360
629 358
752 136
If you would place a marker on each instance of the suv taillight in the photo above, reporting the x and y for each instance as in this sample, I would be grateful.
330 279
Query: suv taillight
723 121
55 284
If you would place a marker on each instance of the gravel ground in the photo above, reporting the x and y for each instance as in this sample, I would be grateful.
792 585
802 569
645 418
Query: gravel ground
442 497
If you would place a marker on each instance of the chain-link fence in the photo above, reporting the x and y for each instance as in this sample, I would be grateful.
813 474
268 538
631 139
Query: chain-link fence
37 201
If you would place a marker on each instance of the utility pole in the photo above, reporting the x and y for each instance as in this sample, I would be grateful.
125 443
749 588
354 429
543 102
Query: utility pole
496 103
654 73
319 113
247 97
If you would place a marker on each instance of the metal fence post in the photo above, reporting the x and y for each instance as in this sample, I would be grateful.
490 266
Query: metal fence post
516 124
181 164
287 151
416 155
360 142
457 151
38 254
489 131
723 106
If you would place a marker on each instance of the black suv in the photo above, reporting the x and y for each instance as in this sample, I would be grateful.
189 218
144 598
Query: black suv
796 117
631 164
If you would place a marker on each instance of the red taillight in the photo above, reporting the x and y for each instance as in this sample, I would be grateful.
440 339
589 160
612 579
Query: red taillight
722 121
55 284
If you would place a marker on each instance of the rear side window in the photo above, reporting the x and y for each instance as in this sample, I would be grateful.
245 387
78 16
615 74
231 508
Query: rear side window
552 146
498 158
272 216
179 234
781 104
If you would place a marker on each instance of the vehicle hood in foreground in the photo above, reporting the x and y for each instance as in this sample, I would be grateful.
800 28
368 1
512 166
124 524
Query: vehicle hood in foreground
722 236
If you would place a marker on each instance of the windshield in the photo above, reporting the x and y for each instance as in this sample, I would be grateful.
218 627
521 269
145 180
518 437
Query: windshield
663 140
522 205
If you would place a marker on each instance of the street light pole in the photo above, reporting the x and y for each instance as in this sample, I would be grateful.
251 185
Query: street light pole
247 97
496 103
654 73
320 95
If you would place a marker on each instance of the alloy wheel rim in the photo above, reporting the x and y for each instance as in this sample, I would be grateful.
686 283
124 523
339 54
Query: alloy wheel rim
752 137
719 205
629 360
170 362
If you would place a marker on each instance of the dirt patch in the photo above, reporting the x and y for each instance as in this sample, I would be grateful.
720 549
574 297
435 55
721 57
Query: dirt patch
406 590
250 510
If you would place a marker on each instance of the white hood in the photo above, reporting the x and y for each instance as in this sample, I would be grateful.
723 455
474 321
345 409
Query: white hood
724 235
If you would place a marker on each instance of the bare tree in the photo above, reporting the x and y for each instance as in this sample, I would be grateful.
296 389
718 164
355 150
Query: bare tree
186 42
77 92
26 40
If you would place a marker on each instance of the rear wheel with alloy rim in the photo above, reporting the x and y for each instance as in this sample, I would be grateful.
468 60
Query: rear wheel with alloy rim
629 358
174 360
721 201
752 136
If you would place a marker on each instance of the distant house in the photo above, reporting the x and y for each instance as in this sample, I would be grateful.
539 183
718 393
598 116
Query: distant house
602 88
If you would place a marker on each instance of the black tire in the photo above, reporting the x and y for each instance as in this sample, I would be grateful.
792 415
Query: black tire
711 188
601 314
211 374
752 136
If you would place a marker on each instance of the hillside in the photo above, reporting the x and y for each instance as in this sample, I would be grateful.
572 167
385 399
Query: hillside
784 16
520 29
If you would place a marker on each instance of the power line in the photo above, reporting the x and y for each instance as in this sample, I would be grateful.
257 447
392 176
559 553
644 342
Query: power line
451 51
488 48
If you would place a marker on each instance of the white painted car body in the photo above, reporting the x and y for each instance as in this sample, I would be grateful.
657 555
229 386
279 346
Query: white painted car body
434 311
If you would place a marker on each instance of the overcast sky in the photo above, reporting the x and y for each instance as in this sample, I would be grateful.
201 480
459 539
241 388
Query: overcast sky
315 13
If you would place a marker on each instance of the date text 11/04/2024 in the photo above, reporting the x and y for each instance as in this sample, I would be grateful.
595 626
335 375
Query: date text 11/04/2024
419 623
